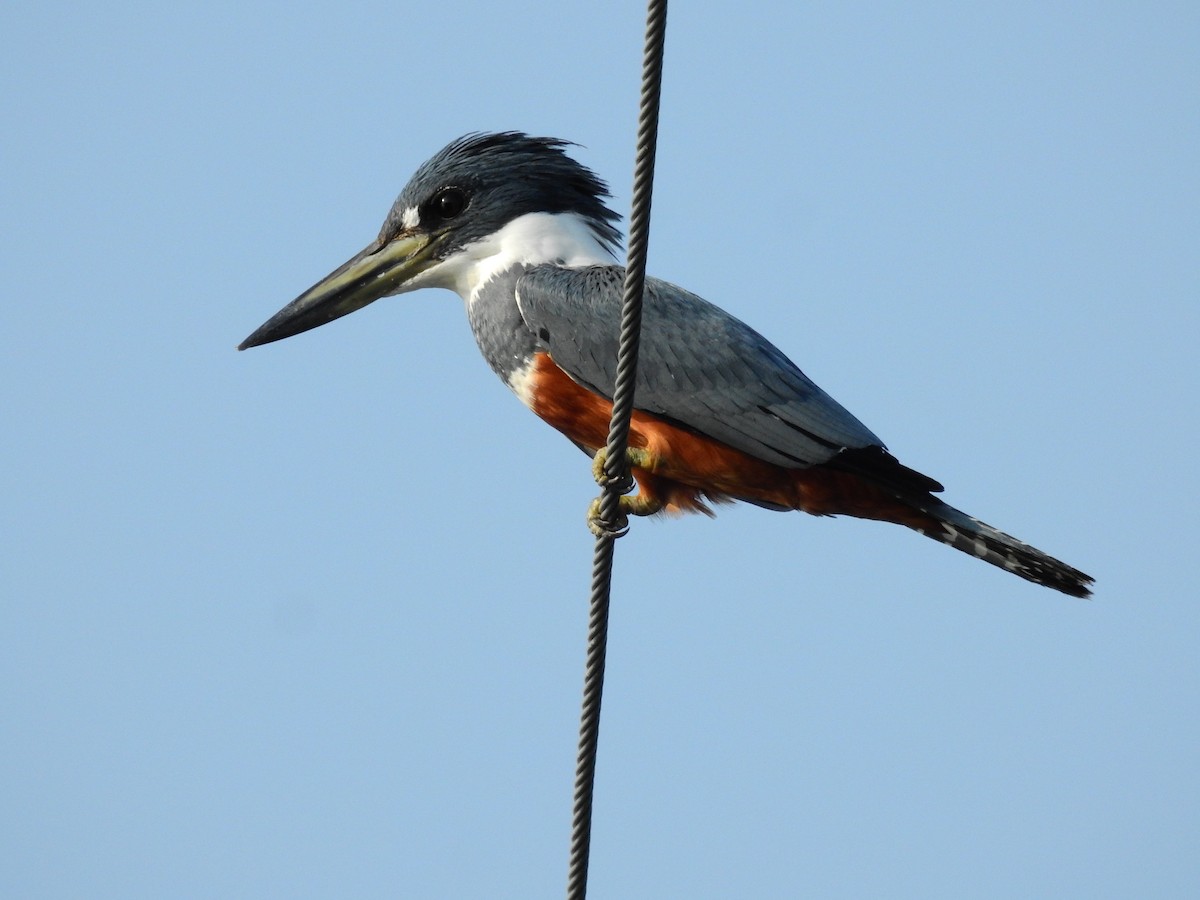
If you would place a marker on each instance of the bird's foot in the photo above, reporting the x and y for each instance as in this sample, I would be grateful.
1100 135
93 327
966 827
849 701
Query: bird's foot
626 506
635 458
600 528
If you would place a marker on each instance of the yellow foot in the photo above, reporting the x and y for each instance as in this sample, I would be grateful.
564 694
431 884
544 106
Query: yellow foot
626 507
634 459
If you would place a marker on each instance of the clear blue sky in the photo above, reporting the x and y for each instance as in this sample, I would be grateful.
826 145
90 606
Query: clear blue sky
308 621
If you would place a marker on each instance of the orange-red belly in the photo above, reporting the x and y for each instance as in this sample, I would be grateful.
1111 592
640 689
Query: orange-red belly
690 467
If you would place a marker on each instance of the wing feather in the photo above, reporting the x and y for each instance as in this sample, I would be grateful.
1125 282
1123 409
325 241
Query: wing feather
699 366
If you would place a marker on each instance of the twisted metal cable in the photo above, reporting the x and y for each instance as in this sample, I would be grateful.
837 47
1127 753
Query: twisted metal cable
616 468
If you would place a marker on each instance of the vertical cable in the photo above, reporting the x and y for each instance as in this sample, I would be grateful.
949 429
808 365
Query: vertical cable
615 466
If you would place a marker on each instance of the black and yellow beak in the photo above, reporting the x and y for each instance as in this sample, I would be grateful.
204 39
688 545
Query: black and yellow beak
381 269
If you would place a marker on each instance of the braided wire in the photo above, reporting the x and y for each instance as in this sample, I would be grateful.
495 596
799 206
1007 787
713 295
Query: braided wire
616 468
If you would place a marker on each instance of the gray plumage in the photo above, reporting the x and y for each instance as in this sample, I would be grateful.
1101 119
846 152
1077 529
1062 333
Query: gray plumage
698 365
523 233
501 332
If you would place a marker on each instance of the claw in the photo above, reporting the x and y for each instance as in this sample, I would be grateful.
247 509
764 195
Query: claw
597 526
635 458
626 507
598 472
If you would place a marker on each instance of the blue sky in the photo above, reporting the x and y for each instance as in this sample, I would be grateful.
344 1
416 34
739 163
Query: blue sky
308 621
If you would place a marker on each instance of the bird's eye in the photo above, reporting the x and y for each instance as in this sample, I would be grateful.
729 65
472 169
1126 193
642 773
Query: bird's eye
448 202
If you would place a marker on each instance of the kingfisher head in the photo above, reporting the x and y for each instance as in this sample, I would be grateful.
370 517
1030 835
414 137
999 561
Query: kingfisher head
482 204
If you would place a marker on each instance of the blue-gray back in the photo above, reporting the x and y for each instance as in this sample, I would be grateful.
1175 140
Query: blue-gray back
698 365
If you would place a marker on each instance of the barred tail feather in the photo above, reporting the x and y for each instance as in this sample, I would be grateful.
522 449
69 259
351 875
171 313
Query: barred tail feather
966 533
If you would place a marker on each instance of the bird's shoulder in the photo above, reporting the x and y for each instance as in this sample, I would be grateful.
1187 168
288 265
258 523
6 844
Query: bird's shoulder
698 364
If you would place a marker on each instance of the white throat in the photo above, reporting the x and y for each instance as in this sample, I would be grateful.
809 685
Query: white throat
533 239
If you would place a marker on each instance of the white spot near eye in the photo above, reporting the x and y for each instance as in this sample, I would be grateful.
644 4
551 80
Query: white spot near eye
408 219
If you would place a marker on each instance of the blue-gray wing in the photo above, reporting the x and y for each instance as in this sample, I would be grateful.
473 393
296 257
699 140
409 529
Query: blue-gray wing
698 365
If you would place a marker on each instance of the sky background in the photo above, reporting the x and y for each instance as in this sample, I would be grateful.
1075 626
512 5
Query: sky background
308 621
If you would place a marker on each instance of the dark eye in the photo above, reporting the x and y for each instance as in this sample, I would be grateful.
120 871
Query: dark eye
448 202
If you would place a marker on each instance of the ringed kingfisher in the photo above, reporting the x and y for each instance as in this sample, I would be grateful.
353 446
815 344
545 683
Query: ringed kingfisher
522 233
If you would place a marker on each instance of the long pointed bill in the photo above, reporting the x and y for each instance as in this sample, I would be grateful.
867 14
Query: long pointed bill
379 270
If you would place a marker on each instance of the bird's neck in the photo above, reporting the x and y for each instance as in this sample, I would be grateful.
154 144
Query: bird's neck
564 239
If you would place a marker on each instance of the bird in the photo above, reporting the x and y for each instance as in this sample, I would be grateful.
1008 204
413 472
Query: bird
523 233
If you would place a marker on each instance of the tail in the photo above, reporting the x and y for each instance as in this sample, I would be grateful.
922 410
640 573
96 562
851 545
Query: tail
870 483
966 533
